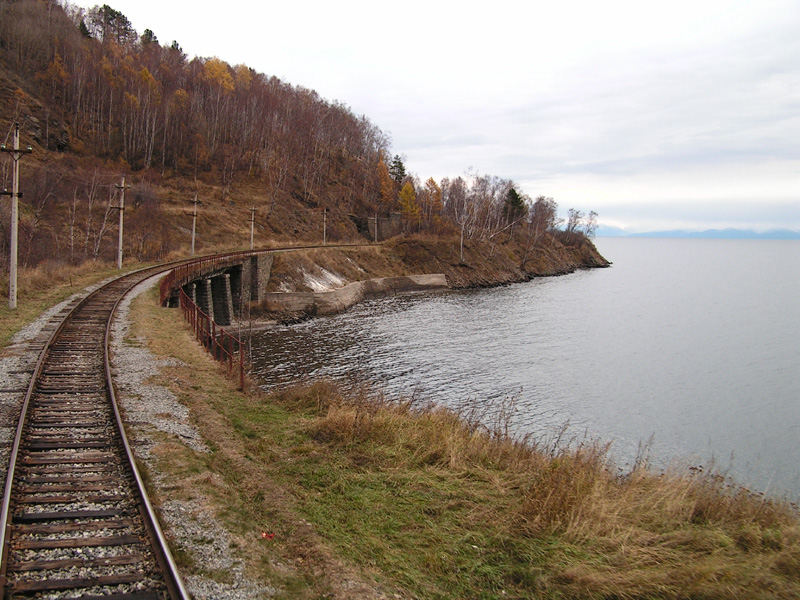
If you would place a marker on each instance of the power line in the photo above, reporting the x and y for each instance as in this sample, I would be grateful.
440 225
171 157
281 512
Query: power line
61 173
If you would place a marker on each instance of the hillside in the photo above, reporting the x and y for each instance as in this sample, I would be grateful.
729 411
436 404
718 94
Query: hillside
96 100
482 266
315 492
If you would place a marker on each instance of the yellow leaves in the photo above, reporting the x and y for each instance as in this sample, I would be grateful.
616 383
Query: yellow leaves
432 197
180 99
56 73
55 77
408 203
218 74
107 68
146 78
110 73
244 77
20 95
387 184
131 102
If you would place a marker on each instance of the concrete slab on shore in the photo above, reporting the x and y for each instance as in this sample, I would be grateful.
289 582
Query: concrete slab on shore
334 301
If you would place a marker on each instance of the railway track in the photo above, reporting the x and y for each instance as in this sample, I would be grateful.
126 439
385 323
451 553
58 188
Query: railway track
75 519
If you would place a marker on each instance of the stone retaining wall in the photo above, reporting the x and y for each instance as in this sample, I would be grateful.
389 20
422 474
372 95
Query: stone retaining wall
334 301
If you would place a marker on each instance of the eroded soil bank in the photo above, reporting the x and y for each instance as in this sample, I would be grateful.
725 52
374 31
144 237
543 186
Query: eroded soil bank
311 282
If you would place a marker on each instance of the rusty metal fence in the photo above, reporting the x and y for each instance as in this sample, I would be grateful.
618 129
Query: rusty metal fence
224 347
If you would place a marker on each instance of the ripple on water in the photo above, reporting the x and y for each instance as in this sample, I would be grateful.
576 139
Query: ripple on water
689 343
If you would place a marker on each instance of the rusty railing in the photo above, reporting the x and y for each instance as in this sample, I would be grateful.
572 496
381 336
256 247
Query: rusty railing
183 274
224 347
217 341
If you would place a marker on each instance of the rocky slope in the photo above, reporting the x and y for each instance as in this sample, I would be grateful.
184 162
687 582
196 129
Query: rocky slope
299 274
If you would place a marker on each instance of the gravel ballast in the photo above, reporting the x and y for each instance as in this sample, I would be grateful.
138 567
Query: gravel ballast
149 410
152 410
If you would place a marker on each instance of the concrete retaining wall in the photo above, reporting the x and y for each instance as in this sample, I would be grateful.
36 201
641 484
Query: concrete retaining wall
325 303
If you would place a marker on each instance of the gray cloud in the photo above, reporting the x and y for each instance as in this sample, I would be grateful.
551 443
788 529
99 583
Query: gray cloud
624 105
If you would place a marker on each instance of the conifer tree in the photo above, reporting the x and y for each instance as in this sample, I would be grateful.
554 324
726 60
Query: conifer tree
514 206
397 170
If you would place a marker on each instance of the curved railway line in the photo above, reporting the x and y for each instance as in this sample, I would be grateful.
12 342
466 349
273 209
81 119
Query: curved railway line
75 519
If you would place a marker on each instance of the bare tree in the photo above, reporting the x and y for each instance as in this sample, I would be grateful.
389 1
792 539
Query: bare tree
104 224
542 217
458 205
574 220
73 211
91 190
42 189
590 225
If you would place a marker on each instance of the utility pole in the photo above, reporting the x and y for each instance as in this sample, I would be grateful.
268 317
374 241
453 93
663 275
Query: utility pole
194 219
16 154
324 226
121 209
252 224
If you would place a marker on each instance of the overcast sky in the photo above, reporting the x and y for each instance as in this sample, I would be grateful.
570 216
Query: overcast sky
657 115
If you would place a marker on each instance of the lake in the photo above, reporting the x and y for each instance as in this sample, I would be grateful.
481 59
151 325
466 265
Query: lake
689 346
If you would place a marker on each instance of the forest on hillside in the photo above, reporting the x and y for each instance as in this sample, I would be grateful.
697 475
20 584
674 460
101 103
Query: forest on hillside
95 99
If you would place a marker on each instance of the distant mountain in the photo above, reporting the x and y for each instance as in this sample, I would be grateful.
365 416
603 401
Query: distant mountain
608 231
719 234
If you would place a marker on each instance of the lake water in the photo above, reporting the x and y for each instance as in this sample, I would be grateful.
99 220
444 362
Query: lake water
691 346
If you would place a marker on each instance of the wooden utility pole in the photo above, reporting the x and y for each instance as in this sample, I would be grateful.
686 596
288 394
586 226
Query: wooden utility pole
121 209
194 219
252 224
16 154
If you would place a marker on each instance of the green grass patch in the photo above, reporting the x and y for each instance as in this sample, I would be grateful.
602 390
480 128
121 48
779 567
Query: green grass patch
420 503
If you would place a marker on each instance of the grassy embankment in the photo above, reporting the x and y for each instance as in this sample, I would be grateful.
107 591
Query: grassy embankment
431 506
362 492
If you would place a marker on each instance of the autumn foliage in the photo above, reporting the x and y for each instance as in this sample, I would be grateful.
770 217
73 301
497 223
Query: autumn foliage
95 100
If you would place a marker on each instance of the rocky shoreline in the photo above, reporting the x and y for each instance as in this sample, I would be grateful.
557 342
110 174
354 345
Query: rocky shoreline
309 283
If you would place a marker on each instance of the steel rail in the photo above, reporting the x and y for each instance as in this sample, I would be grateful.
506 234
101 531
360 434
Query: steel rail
157 541
173 581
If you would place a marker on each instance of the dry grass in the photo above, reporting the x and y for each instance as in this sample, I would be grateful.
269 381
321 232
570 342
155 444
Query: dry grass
41 287
241 479
49 274
673 535
429 504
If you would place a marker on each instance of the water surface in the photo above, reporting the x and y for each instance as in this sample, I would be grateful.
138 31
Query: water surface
690 345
